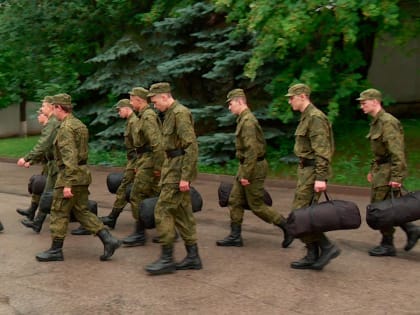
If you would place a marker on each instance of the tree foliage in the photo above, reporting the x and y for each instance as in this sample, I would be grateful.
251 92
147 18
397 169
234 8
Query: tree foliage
98 50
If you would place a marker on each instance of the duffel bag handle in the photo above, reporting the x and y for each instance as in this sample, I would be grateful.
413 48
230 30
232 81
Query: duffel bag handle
327 197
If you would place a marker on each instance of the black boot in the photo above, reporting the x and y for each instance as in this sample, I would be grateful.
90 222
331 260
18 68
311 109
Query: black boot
234 238
111 219
328 251
138 238
55 253
192 260
310 258
288 238
110 244
165 264
30 212
80 231
37 223
386 248
1 227
413 234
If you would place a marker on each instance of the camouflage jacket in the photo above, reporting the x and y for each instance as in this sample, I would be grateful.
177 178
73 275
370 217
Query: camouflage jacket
44 148
71 153
178 133
314 140
386 137
129 133
250 144
147 135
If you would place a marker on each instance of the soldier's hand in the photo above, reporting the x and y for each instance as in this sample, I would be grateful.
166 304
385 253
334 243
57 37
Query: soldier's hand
244 182
184 185
21 162
67 192
156 173
369 177
27 164
395 184
320 185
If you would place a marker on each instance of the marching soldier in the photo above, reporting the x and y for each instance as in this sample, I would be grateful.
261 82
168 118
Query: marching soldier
389 167
249 181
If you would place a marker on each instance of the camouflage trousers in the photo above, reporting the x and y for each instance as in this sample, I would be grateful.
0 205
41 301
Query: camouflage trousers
61 208
35 198
253 195
305 195
120 196
383 193
173 210
145 185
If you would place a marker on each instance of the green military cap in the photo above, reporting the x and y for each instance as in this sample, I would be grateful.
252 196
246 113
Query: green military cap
159 88
370 94
62 99
125 102
47 99
298 89
235 93
139 91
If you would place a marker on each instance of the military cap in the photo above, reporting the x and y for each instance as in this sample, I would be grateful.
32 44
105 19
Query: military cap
234 93
298 89
47 99
140 92
125 102
159 88
62 99
370 94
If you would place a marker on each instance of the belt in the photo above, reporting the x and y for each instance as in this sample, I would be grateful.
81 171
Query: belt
174 153
383 160
143 149
62 167
306 162
259 159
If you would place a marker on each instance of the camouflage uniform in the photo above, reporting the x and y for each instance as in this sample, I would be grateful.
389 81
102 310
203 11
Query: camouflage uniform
71 154
173 208
44 151
128 177
250 150
314 146
147 141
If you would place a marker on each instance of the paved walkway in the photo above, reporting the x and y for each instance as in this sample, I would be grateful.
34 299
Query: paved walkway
254 279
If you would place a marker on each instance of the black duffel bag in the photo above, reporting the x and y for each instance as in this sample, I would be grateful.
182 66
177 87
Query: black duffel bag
394 211
147 207
45 204
224 193
325 216
36 184
113 181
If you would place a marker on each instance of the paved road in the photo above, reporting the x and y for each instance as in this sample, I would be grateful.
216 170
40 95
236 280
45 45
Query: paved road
254 279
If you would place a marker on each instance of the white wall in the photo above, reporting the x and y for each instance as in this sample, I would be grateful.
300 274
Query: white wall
9 120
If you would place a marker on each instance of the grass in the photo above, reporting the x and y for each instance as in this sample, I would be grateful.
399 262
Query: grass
350 163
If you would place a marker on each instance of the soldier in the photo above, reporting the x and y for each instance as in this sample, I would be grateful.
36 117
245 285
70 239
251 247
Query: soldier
388 168
173 209
249 181
314 146
43 150
126 112
35 198
71 188
147 141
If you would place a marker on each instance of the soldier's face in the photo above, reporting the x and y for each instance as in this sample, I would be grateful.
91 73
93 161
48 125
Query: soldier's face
296 101
47 108
369 106
159 102
234 106
42 119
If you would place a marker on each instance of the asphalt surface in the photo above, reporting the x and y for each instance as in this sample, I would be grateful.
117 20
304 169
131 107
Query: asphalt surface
254 279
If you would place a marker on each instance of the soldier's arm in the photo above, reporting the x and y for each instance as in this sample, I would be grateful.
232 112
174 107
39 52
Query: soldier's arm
68 150
153 135
319 136
186 134
37 153
248 134
394 141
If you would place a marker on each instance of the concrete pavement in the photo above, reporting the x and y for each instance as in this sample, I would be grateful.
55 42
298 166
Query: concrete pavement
254 279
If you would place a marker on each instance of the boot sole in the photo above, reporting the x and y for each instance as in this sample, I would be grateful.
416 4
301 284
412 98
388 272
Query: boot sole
383 255
162 271
334 255
230 245
133 244
46 260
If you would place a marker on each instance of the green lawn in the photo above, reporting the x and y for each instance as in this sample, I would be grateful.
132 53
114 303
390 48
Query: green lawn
350 164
